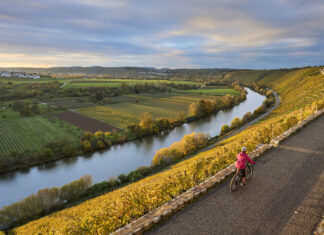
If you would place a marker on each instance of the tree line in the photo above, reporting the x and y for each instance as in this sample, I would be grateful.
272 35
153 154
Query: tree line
187 145
96 94
43 202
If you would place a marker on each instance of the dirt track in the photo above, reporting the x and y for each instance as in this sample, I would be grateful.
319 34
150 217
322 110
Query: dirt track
285 195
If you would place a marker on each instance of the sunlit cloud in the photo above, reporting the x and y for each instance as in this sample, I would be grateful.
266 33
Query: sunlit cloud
162 33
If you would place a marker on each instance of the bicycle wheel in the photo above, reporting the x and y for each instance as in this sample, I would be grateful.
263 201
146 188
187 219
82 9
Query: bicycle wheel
235 183
249 171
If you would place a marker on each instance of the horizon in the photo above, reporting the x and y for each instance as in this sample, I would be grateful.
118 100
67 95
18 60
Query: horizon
162 34
159 68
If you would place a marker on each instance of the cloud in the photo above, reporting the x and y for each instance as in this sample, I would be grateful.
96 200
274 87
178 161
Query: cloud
162 33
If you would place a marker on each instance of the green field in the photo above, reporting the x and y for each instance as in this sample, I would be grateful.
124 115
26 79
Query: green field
77 83
215 91
118 82
31 133
127 111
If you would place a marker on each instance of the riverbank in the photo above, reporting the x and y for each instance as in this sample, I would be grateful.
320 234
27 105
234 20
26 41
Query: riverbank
91 143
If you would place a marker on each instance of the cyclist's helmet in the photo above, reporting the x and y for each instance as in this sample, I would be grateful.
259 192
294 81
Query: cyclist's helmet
243 149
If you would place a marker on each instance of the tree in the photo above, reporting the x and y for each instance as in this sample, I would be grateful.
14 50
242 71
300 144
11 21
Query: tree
99 135
46 153
68 150
228 101
259 110
100 144
181 116
86 145
247 117
123 178
194 109
147 123
236 123
225 129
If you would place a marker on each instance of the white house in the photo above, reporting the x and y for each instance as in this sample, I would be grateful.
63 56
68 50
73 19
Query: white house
5 74
22 75
19 75
34 76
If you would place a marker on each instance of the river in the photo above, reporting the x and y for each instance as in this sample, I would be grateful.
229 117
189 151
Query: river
115 161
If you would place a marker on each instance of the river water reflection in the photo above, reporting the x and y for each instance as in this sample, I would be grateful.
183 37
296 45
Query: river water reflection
118 159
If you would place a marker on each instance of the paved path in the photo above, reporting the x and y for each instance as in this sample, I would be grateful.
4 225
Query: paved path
285 195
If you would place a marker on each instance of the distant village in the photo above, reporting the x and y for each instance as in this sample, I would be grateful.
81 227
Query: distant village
19 75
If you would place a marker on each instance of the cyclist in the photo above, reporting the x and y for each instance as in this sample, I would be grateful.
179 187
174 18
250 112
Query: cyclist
240 163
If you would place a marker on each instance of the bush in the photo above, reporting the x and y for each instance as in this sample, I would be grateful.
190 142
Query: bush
46 153
113 182
75 189
259 110
236 123
69 150
187 145
247 117
43 201
123 178
225 129
134 176
86 145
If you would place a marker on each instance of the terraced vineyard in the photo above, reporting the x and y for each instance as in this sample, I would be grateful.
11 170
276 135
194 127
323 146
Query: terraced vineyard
28 134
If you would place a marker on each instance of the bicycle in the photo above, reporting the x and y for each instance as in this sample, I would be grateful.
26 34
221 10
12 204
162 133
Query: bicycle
237 178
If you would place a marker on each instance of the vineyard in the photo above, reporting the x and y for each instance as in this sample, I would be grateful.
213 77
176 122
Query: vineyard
108 212
28 134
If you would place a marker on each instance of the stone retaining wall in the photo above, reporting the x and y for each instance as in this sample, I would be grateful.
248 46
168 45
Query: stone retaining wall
147 221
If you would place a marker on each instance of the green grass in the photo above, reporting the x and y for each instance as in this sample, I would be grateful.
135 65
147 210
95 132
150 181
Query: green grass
31 133
9 114
127 111
80 83
216 91
118 82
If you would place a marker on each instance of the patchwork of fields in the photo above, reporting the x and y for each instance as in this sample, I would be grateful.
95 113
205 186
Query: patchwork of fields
80 83
127 111
215 91
29 134
118 82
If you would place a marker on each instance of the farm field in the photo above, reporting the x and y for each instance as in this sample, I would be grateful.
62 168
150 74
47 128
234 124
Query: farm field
79 83
30 133
69 103
84 122
215 91
127 111
118 82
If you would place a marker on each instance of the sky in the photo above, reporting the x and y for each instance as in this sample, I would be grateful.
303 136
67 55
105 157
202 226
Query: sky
162 33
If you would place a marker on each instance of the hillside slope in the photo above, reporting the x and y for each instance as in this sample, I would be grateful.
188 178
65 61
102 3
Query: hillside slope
298 89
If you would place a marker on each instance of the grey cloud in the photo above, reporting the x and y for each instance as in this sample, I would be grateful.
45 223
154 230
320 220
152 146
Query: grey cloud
205 33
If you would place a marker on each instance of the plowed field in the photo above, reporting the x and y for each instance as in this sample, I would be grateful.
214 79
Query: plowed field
84 122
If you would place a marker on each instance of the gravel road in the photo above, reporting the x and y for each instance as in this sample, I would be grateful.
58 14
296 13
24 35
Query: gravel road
285 195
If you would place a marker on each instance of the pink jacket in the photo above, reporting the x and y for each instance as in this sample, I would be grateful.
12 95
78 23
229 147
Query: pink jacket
241 159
